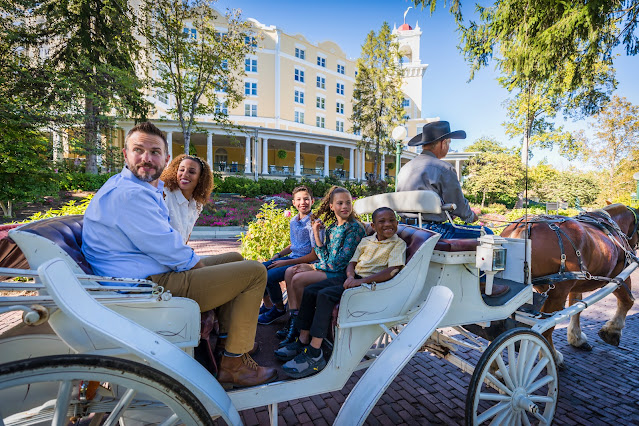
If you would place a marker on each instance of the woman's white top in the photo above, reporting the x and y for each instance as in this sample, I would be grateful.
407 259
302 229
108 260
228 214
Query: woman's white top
183 213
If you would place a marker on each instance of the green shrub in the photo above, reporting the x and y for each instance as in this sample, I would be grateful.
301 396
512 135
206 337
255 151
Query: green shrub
290 184
271 186
78 181
267 234
494 208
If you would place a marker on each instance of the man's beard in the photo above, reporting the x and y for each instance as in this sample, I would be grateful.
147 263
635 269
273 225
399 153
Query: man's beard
145 177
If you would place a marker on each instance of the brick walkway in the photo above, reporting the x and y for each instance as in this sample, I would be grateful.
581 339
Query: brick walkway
596 388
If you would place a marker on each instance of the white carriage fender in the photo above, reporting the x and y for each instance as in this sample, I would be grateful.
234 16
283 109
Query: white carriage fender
393 358
159 353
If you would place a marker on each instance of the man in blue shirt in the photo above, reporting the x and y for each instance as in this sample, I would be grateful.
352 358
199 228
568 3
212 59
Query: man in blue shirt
126 233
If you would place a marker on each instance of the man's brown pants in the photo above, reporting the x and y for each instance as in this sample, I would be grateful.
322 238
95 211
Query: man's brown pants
234 285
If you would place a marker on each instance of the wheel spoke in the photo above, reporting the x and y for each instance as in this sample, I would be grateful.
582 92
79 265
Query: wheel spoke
503 417
525 419
504 372
521 360
487 396
532 358
539 383
538 368
119 409
512 363
499 385
173 420
60 416
492 412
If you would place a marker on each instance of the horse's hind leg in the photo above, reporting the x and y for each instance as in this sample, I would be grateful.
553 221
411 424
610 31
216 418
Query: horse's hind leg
611 331
575 336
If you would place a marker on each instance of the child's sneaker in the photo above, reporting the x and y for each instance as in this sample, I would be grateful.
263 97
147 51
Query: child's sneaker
270 315
304 365
290 351
264 309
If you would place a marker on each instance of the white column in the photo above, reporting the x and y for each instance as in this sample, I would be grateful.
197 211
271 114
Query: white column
326 173
298 169
458 169
362 164
264 156
169 140
247 155
351 165
209 149
383 167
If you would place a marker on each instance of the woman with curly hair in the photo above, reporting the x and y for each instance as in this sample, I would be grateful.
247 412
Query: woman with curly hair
188 182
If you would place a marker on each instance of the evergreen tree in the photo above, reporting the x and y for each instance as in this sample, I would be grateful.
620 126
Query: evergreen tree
197 64
377 95
87 48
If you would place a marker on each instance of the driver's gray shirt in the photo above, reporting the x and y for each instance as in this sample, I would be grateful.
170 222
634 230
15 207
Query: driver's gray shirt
426 171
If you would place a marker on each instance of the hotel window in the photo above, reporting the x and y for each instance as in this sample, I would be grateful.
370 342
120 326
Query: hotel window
250 65
340 108
250 110
339 125
406 103
406 117
250 88
299 96
300 53
225 64
340 69
320 102
220 35
321 61
357 132
222 89
299 75
250 41
321 82
320 121
162 97
190 33
299 117
340 89
222 108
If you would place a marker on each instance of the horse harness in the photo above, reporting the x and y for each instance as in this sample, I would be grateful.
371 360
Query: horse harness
600 220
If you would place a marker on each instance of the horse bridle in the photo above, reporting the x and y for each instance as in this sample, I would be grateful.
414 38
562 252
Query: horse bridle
634 231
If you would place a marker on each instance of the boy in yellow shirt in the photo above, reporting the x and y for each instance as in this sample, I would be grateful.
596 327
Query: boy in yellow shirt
377 258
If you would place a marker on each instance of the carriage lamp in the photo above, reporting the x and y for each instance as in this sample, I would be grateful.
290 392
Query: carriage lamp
490 258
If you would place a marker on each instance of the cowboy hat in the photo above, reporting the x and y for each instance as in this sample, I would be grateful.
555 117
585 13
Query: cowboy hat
436 131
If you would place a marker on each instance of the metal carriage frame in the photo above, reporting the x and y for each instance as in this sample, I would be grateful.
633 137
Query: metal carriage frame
515 380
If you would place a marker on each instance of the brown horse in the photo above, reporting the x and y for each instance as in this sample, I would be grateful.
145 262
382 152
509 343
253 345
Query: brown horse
600 254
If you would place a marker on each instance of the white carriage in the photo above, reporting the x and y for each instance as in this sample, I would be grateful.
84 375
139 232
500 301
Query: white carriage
109 354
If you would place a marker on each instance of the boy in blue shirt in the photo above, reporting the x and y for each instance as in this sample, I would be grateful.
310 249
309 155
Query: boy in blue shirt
299 251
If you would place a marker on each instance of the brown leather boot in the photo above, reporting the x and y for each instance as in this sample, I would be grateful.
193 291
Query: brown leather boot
242 371
498 289
221 345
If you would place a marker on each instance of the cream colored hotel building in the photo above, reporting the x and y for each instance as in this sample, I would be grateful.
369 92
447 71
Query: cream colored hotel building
299 99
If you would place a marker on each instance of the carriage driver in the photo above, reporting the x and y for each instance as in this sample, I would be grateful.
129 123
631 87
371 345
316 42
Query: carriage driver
126 233
428 171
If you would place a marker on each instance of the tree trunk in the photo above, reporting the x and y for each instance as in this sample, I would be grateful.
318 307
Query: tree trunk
90 137
7 208
187 141
483 199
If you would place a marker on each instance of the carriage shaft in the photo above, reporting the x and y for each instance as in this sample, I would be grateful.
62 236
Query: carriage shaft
579 306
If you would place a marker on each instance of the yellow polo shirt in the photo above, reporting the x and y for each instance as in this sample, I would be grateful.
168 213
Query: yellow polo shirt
373 256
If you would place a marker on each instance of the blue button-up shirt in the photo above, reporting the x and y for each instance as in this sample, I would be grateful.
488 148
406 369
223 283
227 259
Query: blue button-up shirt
126 231
302 237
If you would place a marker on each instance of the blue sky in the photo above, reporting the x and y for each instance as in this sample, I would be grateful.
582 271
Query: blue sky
475 106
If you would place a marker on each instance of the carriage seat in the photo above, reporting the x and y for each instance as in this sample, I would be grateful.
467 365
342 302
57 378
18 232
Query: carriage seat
66 233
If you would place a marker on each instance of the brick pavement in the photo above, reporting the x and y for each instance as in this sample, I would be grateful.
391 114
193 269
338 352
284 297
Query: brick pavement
600 387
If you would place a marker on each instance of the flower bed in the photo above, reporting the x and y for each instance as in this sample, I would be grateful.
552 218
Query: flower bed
237 210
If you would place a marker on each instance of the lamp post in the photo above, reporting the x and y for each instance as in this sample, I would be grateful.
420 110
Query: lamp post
399 134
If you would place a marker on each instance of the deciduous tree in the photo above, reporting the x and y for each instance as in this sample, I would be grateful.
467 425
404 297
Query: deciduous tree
377 95
195 61
613 146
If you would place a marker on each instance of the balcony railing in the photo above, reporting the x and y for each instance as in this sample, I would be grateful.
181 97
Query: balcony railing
228 168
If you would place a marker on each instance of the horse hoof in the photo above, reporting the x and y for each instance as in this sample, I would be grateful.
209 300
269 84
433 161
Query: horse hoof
584 347
610 338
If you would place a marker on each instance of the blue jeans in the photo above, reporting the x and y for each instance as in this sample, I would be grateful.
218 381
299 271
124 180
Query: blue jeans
449 232
274 276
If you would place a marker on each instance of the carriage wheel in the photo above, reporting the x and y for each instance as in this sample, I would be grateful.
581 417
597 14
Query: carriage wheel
514 382
62 388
